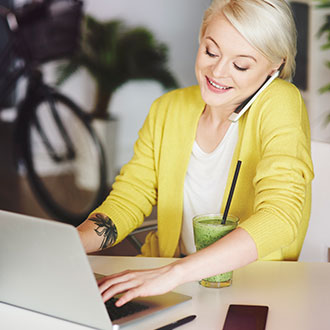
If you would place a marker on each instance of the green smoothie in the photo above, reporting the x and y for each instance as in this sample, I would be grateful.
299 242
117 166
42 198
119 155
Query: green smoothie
207 230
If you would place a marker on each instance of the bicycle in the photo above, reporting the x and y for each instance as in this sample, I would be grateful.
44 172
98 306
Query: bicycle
54 141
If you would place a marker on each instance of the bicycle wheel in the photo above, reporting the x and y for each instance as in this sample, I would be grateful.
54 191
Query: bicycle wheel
64 159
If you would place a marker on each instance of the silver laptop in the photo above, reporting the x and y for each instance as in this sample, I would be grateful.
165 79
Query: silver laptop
44 268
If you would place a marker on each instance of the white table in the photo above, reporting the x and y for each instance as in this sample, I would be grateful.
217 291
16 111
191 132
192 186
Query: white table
298 296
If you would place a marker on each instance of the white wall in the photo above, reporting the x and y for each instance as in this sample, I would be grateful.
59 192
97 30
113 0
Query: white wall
176 23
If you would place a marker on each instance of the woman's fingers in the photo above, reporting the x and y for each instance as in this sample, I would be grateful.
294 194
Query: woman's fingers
128 296
106 278
121 287
112 285
114 279
136 283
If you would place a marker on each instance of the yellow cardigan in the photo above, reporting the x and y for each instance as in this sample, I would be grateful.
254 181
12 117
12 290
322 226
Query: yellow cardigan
272 196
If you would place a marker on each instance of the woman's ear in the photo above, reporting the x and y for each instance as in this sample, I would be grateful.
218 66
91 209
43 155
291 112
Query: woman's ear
279 68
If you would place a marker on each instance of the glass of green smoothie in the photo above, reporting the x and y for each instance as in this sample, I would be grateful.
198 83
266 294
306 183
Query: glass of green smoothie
208 228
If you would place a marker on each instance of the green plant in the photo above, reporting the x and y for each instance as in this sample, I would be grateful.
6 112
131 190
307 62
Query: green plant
114 54
325 30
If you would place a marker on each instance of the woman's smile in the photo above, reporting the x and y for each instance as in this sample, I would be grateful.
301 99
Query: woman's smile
217 87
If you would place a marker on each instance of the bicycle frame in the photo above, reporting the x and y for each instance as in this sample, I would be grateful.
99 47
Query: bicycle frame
11 77
53 136
37 91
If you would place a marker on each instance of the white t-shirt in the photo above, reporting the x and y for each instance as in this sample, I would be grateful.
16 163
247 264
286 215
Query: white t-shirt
205 183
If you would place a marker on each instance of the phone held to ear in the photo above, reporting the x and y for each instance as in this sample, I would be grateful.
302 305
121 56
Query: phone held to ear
245 105
246 317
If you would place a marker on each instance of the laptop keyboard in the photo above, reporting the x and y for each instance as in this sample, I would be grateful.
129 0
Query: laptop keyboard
118 312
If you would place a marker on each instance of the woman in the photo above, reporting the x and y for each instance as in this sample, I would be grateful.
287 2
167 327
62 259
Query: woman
188 148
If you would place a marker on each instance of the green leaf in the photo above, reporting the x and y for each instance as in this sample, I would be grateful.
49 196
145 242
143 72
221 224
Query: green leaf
323 3
327 119
325 46
66 70
325 89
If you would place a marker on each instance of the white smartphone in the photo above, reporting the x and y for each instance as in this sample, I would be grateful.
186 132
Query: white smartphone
240 110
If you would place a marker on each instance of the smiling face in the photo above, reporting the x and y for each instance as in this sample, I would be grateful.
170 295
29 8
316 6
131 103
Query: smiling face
228 68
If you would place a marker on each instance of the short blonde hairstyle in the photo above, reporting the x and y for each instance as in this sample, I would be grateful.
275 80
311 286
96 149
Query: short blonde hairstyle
268 25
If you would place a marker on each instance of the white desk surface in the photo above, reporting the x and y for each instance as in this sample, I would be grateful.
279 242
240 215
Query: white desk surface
298 296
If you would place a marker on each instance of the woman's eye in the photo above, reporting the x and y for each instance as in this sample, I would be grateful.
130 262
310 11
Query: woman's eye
239 68
207 52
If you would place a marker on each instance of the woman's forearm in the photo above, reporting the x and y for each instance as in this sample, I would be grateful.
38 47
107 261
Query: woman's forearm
97 232
230 252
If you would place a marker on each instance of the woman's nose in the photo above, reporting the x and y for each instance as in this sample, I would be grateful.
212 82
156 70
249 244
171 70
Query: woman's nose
220 69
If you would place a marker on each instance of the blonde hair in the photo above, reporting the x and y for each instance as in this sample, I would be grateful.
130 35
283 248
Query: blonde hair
268 25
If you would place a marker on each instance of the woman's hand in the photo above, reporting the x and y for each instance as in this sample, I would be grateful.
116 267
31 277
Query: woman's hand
140 283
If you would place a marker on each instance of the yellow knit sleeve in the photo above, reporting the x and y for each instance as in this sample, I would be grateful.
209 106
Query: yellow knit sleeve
135 190
284 170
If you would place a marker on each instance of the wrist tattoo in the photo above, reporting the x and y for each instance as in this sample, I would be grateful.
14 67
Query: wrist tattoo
105 228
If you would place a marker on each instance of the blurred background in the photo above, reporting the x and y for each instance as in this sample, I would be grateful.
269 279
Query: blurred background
174 23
